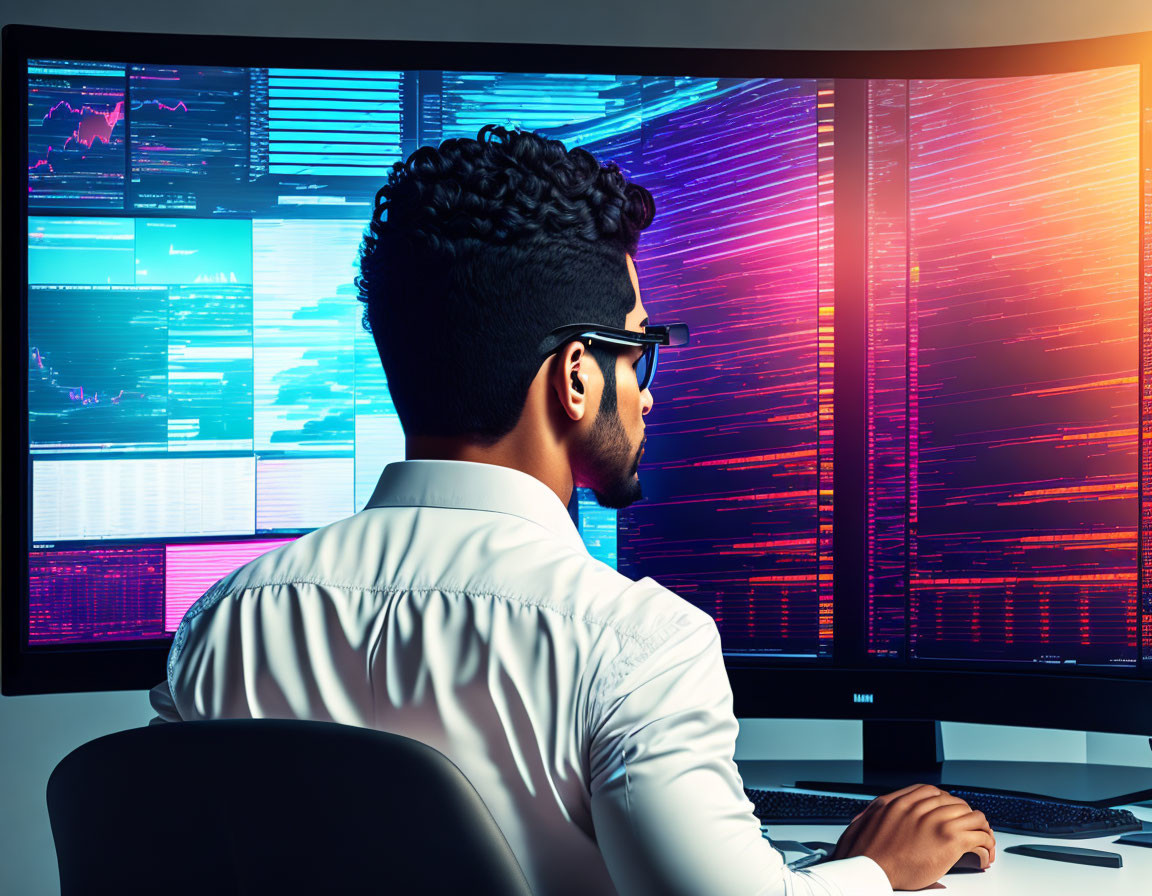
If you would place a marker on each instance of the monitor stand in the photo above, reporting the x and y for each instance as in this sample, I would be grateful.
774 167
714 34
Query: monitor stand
897 754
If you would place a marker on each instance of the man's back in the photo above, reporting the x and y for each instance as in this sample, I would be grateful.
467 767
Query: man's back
479 632
460 608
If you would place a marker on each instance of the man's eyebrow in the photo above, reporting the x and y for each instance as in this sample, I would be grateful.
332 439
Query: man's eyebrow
644 323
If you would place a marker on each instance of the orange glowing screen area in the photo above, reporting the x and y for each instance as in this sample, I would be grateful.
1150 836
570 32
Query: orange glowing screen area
1004 358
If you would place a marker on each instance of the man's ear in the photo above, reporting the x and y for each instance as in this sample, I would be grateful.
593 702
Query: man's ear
571 378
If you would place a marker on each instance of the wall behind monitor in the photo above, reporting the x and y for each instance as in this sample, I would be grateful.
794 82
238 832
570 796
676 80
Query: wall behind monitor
35 732
757 24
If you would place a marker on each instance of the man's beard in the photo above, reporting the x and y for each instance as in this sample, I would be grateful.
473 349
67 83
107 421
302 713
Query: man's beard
611 464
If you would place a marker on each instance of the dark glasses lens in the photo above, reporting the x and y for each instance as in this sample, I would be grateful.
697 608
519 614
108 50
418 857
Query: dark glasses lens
646 366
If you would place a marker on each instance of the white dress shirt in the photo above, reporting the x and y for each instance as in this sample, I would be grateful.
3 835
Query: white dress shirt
460 608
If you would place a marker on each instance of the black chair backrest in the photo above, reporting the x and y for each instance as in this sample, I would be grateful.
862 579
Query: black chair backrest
272 806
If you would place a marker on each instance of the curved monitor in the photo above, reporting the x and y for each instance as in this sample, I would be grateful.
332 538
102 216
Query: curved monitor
903 463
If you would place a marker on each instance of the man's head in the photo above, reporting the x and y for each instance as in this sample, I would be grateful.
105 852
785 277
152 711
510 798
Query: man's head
479 249
612 445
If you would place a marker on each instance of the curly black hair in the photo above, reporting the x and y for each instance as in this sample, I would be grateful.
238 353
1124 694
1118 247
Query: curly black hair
476 250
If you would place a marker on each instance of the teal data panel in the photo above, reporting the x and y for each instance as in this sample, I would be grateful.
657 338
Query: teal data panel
193 251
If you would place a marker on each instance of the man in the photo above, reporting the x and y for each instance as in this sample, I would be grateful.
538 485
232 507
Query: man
592 713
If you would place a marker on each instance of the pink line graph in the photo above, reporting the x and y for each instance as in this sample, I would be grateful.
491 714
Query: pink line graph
94 125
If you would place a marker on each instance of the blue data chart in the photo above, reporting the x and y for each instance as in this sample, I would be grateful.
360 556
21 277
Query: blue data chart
90 251
193 251
97 368
334 123
598 527
188 127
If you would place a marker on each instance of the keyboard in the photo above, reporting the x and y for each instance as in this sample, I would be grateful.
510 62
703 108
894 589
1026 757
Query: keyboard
1033 816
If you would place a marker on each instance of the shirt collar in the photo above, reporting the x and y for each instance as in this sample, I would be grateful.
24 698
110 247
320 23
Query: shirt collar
474 486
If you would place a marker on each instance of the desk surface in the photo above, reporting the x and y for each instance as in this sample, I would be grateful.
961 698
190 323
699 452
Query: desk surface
1013 875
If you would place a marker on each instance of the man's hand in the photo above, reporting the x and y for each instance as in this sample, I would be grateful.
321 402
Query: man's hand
917 834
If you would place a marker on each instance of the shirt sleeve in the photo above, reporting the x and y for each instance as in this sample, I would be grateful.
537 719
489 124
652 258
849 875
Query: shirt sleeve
668 805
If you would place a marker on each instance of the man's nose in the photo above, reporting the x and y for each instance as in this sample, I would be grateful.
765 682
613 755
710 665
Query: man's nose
646 401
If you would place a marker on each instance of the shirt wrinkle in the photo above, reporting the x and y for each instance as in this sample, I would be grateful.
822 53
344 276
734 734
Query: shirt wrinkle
632 634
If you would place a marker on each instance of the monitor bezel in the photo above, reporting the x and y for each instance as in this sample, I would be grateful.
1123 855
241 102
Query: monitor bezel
1090 700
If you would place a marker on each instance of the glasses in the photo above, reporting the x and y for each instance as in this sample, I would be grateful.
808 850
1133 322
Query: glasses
671 335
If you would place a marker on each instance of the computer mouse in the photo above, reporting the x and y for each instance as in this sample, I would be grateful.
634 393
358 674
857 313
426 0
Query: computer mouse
967 863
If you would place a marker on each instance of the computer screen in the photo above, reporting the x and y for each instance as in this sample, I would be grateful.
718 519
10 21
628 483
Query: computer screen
200 388
1003 365
1004 369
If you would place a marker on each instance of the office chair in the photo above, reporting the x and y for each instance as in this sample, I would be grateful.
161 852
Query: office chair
272 806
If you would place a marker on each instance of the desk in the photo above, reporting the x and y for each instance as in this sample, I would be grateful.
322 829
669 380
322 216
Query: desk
1010 875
